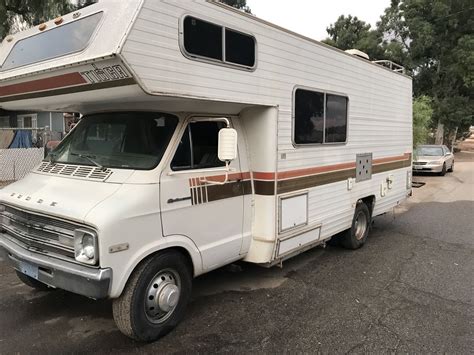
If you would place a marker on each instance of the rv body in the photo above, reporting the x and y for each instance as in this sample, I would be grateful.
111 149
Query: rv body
286 191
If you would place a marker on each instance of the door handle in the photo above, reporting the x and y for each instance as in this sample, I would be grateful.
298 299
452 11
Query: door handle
179 199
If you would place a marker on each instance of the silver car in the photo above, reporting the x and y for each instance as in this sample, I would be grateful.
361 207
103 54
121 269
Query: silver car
434 159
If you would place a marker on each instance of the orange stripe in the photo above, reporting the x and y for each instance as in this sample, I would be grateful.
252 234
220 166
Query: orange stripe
52 82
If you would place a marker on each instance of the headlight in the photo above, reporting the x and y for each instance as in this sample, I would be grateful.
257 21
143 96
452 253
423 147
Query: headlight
85 246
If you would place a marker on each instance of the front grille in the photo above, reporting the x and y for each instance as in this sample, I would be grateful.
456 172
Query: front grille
40 233
419 163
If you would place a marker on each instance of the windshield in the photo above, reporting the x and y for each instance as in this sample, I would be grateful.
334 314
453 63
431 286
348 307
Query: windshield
430 151
126 140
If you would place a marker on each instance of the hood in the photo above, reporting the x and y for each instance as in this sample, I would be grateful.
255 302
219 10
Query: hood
57 196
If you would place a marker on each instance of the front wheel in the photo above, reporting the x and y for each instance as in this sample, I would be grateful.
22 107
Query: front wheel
443 170
155 298
356 236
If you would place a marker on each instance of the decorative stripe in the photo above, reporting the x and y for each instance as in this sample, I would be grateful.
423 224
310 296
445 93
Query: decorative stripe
52 82
70 90
289 181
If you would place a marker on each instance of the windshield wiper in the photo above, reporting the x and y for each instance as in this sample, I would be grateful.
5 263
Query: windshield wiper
90 158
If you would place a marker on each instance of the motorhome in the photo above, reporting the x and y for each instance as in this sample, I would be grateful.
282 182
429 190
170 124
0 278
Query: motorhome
208 136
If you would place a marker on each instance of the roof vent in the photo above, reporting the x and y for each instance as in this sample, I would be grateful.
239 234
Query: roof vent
358 53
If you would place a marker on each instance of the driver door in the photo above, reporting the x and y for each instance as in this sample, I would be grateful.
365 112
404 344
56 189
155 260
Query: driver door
192 206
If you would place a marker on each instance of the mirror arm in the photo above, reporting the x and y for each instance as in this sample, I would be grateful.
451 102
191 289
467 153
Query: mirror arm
226 180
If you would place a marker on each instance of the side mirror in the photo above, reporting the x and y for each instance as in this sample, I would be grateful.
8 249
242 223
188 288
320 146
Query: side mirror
227 146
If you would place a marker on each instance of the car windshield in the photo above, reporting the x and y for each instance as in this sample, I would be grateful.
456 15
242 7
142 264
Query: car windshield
126 140
429 151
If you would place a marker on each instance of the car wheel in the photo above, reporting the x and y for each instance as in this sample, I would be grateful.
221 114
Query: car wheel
356 236
451 169
155 297
443 171
31 282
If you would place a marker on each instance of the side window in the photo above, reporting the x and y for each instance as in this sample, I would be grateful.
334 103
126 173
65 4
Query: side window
198 147
336 119
319 118
309 117
218 43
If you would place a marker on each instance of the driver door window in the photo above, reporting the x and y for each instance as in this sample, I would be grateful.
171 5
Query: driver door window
198 147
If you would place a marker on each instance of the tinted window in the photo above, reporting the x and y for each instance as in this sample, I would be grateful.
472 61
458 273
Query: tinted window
239 48
309 117
59 41
132 140
336 119
198 147
430 151
202 38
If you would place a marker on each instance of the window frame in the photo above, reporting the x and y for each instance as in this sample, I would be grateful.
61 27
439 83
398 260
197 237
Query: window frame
181 131
208 60
91 38
20 121
8 121
293 117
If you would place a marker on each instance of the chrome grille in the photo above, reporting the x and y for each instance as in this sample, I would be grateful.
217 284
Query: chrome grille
39 233
77 171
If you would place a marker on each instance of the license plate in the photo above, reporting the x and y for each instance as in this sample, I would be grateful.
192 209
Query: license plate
29 270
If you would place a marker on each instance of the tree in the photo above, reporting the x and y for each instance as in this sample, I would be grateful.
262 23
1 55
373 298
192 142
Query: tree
422 114
350 32
239 4
439 41
16 15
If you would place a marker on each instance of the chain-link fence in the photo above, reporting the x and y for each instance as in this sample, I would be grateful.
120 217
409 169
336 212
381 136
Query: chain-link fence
16 163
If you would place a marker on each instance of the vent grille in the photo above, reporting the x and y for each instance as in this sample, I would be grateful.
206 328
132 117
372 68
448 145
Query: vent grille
77 171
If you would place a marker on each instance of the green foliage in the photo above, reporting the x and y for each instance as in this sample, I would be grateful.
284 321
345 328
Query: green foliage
239 4
350 32
18 14
422 116
434 41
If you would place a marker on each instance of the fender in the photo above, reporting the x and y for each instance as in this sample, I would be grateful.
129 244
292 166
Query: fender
119 280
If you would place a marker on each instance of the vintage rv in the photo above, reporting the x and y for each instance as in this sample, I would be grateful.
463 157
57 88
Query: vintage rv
208 136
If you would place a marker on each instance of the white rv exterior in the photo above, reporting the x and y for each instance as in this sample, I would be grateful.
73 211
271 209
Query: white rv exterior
110 231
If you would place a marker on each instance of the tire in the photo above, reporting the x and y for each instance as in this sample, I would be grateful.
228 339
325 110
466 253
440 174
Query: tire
451 169
31 282
443 171
139 312
356 236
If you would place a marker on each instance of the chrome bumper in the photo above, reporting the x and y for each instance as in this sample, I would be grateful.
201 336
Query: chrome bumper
89 282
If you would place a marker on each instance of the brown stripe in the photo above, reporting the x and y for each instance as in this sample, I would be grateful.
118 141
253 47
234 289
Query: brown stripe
265 188
306 182
380 168
52 82
70 90
229 190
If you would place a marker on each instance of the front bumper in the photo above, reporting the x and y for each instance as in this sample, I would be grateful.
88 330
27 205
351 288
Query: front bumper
89 282
433 168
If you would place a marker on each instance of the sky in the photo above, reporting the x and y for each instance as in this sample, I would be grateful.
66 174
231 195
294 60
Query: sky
312 17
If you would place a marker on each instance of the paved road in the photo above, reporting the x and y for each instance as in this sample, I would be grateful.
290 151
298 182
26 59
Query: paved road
410 289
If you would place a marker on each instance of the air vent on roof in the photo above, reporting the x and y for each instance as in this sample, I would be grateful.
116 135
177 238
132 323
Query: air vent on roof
358 53
77 171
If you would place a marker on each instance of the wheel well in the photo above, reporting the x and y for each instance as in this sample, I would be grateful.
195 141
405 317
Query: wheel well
180 250
370 202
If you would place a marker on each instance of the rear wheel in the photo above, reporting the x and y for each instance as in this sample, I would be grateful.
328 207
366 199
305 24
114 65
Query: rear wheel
356 236
155 298
31 282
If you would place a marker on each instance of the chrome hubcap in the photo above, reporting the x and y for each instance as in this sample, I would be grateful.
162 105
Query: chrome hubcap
162 296
360 225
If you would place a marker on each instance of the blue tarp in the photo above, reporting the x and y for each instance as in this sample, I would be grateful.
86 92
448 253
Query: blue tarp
22 139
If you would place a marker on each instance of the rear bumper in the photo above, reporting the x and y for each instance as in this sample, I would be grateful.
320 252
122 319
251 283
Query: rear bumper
89 282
